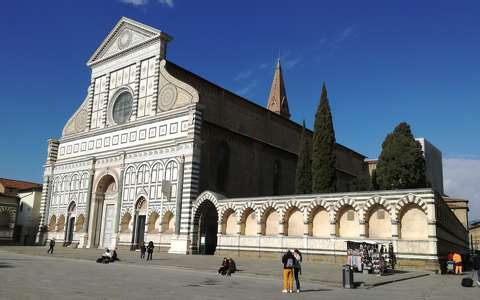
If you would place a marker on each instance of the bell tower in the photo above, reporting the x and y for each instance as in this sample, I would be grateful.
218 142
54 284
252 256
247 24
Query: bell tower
277 101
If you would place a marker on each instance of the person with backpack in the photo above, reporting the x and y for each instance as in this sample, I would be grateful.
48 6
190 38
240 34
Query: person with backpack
150 250
143 249
288 261
297 268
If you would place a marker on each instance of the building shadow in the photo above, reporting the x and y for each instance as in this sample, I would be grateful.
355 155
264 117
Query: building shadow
5 265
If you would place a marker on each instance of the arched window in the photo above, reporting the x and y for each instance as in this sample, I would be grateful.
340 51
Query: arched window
171 174
141 174
65 183
157 175
84 181
74 183
249 223
230 223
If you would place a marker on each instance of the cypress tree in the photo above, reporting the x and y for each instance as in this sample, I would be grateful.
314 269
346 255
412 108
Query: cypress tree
401 164
323 147
303 178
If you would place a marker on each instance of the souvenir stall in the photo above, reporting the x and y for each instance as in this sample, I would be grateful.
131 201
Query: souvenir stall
371 257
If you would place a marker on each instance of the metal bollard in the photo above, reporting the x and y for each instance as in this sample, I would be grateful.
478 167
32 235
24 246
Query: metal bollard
347 273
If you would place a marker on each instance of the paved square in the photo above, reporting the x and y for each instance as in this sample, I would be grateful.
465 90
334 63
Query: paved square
25 276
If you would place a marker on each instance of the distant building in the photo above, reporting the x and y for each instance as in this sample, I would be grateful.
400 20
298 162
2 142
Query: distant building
474 232
19 210
459 208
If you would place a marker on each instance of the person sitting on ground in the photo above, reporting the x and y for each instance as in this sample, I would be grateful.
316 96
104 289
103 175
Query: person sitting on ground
232 267
114 255
223 269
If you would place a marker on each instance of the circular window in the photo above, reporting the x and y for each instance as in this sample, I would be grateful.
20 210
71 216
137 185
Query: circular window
122 108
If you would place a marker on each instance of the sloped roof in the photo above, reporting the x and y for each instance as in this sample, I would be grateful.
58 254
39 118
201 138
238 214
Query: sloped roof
19 184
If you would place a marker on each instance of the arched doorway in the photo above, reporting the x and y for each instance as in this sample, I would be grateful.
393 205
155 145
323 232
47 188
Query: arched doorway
205 228
139 221
71 215
103 213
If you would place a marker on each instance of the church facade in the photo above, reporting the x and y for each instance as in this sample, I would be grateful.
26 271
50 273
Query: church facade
156 153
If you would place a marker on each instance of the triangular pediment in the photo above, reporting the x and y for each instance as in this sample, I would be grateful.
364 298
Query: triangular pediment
124 36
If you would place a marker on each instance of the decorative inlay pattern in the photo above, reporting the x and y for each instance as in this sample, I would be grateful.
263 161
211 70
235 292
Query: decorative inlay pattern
125 39
167 97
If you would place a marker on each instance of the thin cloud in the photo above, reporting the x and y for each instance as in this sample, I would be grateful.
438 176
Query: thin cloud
461 178
346 34
242 75
247 89
263 66
168 3
289 64
135 2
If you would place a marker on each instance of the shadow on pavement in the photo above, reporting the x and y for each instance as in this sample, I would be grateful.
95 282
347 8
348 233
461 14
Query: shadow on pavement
5 265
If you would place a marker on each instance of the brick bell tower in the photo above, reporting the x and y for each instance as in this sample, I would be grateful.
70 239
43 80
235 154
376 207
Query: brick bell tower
277 101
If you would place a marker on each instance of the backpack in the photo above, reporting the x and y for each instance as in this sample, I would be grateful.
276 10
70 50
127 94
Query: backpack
467 282
289 263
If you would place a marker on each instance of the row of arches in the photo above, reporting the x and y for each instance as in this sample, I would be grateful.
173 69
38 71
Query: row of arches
69 187
155 223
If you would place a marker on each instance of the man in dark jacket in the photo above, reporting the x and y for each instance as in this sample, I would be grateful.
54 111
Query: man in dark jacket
51 246
288 261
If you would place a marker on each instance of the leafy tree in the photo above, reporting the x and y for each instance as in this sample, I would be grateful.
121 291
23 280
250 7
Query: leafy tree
401 164
373 181
323 147
361 183
303 179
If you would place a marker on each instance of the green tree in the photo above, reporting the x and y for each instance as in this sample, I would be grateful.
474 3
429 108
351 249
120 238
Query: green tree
303 178
361 183
323 147
401 164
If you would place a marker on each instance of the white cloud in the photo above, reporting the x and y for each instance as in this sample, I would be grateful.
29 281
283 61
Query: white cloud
246 89
289 64
242 75
461 178
168 3
347 33
135 2
263 66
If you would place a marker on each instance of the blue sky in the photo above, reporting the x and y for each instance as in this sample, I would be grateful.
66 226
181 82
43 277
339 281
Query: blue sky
383 62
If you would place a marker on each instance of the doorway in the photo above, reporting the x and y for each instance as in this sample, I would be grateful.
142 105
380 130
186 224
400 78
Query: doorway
103 212
72 213
140 218
206 228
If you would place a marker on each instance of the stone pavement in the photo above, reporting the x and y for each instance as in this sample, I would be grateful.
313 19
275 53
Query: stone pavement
318 272
41 277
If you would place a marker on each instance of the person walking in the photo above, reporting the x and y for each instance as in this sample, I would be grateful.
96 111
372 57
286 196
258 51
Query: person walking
288 261
51 246
297 268
150 250
143 249
476 267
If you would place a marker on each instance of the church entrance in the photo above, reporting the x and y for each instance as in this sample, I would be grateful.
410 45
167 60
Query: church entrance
206 226
139 222
103 212
72 210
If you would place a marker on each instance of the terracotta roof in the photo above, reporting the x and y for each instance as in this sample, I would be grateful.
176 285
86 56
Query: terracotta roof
18 184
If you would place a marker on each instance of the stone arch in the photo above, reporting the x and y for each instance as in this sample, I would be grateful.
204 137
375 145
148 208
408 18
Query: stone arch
412 222
168 222
52 223
229 220
248 219
125 222
315 206
226 209
409 199
102 177
378 221
290 205
205 223
347 222
152 220
270 205
79 223
145 175
269 218
318 218
342 203
60 223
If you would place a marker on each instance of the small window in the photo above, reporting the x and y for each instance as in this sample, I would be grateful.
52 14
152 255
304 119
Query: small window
21 206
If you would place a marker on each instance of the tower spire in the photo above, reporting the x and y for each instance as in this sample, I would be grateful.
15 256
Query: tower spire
277 100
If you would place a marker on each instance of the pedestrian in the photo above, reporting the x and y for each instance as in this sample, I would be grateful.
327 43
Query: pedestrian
476 267
51 246
457 259
143 249
150 250
288 261
297 268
